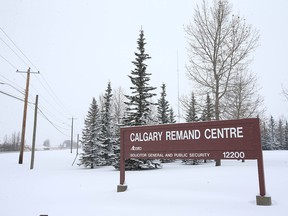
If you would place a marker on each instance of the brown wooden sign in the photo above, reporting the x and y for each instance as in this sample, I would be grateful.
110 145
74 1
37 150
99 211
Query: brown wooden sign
204 140
229 139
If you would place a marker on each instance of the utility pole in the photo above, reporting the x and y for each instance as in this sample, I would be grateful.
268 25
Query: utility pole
34 134
77 149
72 134
24 114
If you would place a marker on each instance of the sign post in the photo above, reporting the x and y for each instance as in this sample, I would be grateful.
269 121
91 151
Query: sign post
229 139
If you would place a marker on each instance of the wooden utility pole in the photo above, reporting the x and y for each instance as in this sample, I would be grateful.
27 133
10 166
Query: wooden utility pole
76 150
71 136
72 128
24 114
34 134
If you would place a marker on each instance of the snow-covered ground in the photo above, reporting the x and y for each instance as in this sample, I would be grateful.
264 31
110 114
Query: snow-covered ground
56 188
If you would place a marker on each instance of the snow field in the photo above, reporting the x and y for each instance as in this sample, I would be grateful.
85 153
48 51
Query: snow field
56 188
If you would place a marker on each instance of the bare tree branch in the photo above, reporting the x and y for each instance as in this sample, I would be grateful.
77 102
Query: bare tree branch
285 92
219 46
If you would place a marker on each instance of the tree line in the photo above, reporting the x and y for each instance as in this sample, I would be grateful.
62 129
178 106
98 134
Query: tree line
219 48
11 143
100 135
274 134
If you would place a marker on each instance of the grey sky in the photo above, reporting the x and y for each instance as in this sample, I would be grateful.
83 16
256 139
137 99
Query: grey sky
79 45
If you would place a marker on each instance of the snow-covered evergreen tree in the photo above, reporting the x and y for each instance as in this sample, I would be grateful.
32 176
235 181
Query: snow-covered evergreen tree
286 136
271 131
163 107
139 103
90 133
265 139
172 116
280 133
106 139
191 113
191 116
106 129
207 112
163 112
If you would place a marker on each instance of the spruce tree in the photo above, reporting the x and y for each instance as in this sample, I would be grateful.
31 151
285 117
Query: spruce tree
163 107
191 114
172 116
207 113
271 131
163 112
105 141
286 136
106 129
280 133
90 133
139 103
265 140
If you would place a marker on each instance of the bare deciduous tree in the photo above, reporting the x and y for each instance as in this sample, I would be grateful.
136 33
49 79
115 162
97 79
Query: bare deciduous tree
219 45
243 100
118 105
285 92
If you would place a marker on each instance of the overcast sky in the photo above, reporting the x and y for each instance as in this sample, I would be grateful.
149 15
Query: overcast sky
80 45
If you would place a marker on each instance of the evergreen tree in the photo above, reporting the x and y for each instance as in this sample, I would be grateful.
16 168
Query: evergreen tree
163 107
280 133
191 114
265 140
163 112
90 133
106 130
207 113
172 116
105 139
271 131
286 136
139 103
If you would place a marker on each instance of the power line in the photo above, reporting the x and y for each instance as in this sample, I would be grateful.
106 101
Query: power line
44 115
3 83
19 49
54 96
11 96
59 112
56 119
5 93
8 62
14 52
52 123
49 90
58 128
